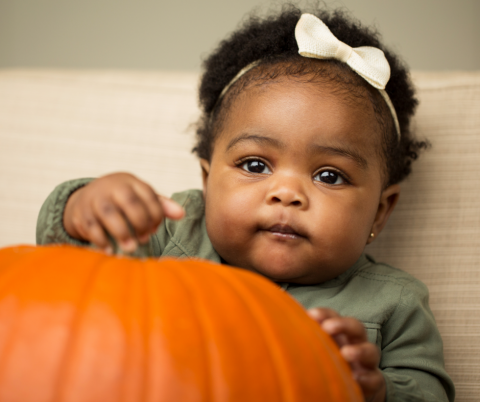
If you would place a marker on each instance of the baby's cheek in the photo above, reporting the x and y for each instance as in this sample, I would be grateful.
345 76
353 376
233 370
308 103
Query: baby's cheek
220 222
224 224
230 221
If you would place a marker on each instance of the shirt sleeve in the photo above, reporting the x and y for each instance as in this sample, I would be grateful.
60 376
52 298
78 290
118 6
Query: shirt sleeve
50 227
412 351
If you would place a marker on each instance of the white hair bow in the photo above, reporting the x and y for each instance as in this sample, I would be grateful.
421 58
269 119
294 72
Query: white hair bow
315 40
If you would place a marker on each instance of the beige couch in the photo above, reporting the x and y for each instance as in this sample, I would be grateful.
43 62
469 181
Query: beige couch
57 125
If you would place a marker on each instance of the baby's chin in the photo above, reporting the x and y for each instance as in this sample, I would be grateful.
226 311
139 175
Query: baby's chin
281 272
287 265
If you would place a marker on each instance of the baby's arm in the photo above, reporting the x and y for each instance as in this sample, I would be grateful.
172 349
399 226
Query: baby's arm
119 204
363 356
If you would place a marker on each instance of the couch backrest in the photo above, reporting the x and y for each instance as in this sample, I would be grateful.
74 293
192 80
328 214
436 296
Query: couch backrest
434 232
58 125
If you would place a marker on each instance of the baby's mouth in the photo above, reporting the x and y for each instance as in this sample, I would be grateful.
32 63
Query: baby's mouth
284 232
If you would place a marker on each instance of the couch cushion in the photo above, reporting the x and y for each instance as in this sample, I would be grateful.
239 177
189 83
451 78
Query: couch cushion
434 232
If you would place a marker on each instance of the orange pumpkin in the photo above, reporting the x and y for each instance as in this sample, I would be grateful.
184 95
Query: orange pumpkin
78 325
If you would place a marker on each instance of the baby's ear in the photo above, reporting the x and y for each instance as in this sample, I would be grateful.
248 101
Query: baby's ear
386 205
205 165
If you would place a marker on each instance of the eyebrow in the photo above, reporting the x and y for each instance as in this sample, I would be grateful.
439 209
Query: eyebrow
261 140
345 152
313 148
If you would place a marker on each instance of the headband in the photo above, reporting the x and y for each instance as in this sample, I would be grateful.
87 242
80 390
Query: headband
315 40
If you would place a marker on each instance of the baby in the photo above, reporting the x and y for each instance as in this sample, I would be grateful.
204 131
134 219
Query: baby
302 145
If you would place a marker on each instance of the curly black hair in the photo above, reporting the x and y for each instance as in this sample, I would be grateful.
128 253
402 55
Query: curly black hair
271 42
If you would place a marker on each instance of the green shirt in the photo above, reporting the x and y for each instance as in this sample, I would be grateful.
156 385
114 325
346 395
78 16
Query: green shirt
392 304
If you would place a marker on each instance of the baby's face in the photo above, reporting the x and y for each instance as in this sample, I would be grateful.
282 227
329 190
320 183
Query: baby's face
294 186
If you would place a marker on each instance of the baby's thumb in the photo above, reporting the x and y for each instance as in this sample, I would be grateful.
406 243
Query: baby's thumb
171 209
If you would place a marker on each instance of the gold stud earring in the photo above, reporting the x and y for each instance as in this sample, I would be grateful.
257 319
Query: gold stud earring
372 234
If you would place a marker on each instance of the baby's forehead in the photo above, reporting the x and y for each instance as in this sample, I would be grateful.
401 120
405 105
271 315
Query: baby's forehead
322 76
332 86
286 105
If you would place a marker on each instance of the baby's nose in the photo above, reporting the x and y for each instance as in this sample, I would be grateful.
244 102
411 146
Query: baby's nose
287 191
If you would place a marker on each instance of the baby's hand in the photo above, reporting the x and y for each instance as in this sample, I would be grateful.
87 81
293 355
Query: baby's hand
109 204
363 356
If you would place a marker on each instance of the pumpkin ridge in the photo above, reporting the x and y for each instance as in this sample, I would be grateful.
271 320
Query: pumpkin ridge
18 266
12 333
251 305
203 324
326 347
7 277
134 306
298 322
144 313
149 326
178 272
221 276
338 362
280 361
341 368
146 332
95 266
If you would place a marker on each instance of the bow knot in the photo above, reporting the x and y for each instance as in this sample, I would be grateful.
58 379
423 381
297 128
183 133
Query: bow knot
315 40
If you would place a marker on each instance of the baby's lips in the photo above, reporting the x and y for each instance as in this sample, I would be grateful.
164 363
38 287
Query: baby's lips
282 229
286 229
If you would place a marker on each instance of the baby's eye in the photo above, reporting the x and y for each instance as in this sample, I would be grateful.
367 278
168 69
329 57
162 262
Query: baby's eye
255 166
329 177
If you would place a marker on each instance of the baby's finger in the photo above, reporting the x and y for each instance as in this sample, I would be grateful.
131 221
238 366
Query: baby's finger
171 209
151 203
90 229
133 207
365 354
372 384
350 327
97 236
320 314
114 222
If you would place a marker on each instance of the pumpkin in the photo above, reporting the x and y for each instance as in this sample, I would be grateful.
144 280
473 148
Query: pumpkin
79 325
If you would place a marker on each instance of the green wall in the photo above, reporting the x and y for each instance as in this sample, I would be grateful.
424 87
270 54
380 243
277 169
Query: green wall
176 34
